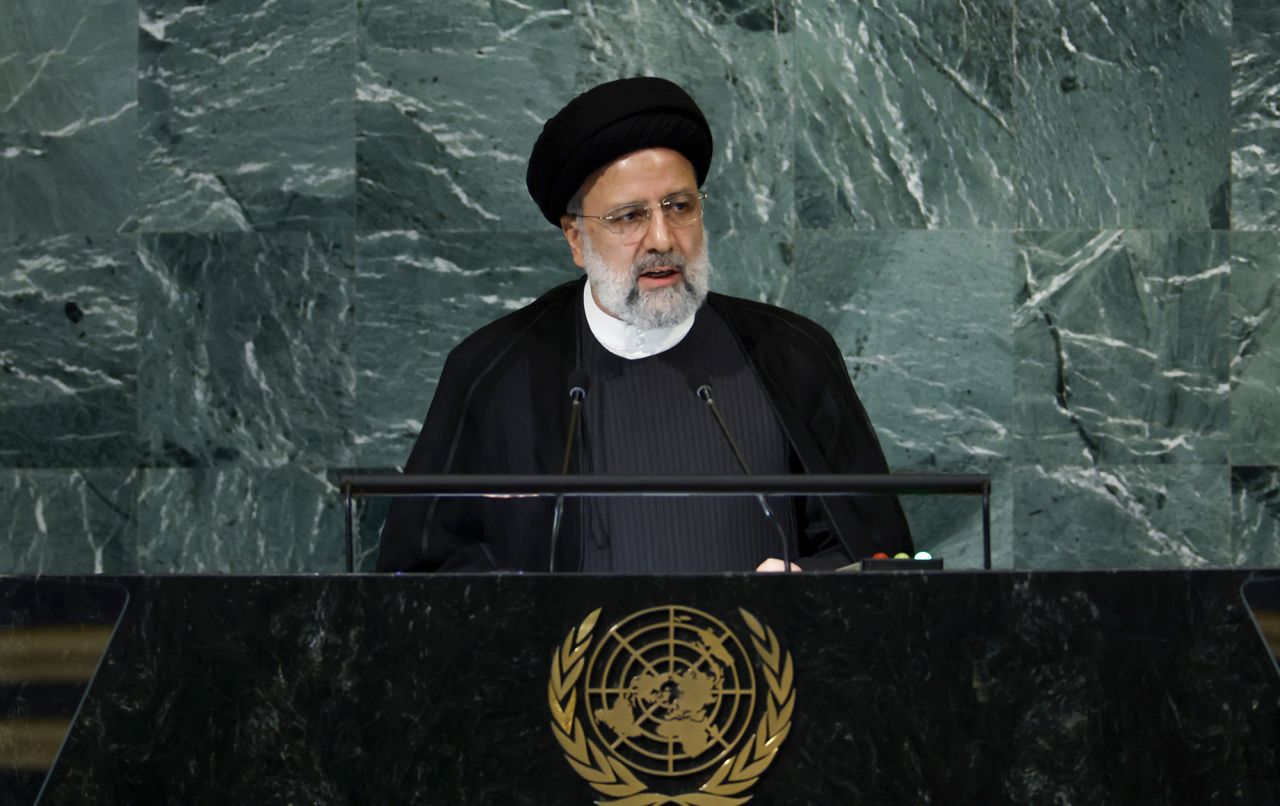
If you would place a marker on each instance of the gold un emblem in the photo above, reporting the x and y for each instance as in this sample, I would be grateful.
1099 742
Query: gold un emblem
670 693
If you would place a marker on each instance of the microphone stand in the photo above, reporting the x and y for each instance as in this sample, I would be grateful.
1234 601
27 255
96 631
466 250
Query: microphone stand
704 392
576 393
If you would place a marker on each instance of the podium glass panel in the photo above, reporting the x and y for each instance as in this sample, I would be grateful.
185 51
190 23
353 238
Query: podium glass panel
1262 596
790 508
53 636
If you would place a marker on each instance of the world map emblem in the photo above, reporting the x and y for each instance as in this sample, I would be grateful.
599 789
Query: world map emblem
667 697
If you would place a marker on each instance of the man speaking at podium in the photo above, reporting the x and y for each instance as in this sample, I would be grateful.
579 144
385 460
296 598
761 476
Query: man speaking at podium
657 364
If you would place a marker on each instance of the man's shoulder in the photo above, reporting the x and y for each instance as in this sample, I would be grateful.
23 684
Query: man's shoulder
551 312
763 318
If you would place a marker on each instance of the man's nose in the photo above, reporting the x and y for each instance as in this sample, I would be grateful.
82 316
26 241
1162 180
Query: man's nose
657 233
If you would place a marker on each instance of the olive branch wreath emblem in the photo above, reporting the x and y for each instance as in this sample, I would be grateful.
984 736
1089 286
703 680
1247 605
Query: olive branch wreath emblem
614 779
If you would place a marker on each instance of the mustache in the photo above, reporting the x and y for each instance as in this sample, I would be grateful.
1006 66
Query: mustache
653 260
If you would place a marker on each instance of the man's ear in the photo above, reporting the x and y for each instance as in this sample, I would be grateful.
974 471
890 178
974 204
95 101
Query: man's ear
571 226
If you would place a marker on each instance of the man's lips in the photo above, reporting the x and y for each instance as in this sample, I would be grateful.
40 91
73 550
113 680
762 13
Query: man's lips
660 275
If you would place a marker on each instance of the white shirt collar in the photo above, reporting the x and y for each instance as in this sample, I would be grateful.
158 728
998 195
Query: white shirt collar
628 341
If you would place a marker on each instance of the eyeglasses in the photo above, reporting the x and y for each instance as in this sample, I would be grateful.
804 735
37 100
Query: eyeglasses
631 221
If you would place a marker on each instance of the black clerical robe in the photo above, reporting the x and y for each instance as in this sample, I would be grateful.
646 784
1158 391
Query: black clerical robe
501 407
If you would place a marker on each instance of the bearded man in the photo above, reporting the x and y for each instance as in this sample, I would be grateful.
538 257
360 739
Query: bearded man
619 170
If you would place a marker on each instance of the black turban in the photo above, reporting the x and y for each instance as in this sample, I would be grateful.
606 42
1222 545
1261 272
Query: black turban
606 122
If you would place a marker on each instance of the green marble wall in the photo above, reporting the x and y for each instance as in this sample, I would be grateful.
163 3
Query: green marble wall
237 240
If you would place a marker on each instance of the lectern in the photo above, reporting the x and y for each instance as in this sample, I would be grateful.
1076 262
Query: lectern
893 688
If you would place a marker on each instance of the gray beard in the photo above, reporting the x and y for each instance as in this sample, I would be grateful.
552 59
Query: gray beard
619 292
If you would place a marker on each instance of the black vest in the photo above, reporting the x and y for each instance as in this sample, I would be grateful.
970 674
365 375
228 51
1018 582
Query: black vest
642 416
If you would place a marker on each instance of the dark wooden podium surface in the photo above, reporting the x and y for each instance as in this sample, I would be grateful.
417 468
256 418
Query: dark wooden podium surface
946 687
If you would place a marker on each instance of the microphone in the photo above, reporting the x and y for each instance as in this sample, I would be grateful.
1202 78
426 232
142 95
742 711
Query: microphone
578 385
703 391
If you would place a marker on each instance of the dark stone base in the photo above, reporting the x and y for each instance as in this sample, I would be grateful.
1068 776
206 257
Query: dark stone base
1105 687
